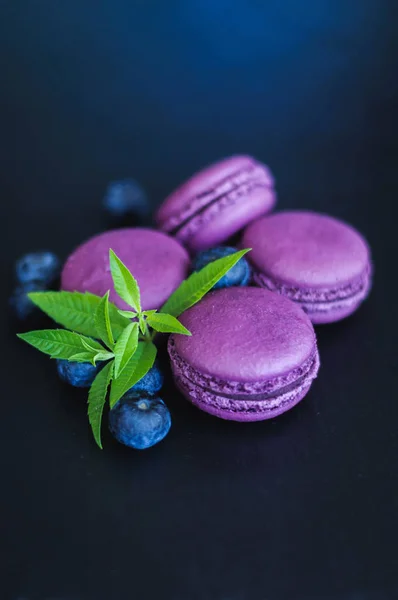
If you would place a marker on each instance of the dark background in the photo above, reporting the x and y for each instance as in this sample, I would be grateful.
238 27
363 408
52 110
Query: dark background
302 507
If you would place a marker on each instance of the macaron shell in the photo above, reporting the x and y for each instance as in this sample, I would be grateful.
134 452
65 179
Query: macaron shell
333 313
221 221
248 410
204 181
157 261
245 335
306 249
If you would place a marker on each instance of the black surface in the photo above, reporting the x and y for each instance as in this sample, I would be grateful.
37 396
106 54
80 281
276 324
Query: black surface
303 507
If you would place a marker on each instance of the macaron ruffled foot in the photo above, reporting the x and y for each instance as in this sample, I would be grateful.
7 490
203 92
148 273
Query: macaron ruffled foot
217 202
252 355
317 261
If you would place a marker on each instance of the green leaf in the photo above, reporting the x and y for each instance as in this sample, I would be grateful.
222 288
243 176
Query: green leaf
102 322
97 398
102 356
92 345
147 313
125 284
58 343
125 348
166 324
75 311
143 326
199 283
136 368
83 357
129 314
91 357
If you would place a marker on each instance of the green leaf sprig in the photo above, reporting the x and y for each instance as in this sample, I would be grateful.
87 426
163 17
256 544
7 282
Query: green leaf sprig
95 330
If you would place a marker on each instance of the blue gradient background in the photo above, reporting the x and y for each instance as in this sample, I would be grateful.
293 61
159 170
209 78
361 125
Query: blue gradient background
158 89
300 508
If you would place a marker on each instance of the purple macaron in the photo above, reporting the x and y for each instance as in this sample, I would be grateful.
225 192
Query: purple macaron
217 202
252 354
157 261
317 261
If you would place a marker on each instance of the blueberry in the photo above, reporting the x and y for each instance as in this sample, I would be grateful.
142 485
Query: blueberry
77 374
124 198
139 422
238 275
42 267
149 385
20 303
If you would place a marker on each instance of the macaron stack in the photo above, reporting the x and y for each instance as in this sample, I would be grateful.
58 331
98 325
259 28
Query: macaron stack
253 352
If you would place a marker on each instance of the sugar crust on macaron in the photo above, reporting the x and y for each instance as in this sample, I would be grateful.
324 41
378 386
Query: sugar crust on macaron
157 261
252 355
313 259
217 202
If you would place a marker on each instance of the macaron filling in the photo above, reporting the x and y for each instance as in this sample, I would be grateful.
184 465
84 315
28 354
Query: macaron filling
266 398
320 300
228 191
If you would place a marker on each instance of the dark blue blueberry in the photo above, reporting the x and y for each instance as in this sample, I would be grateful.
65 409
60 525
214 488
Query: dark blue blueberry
20 303
238 275
42 267
139 422
77 374
124 198
149 385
